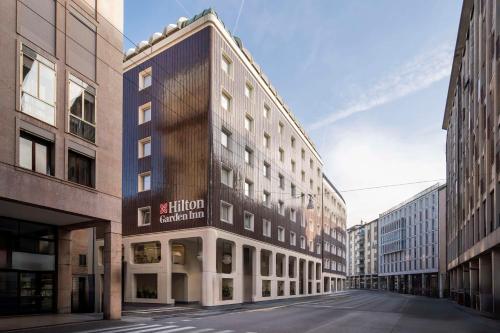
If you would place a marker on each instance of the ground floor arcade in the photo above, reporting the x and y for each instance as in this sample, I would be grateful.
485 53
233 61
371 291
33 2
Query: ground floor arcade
214 267
423 284
363 282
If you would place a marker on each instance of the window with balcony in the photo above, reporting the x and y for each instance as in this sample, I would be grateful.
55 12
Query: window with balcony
38 86
81 109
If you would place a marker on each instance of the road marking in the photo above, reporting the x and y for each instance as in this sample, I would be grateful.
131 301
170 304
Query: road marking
177 329
202 330
155 329
225 331
133 329
110 329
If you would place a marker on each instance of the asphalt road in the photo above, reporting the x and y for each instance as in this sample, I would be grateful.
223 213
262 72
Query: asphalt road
354 311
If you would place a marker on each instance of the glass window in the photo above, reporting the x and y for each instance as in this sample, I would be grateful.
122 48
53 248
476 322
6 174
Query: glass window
144 147
226 212
266 228
145 182
267 111
147 253
225 101
248 156
248 90
38 90
248 188
248 123
281 234
226 64
178 254
226 176
293 238
82 109
144 216
35 154
267 140
302 242
281 208
248 221
282 181
144 113
146 285
266 198
145 78
293 215
80 169
266 171
224 138
282 155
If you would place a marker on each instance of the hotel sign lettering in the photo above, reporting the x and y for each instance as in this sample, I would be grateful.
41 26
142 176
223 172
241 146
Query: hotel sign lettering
182 210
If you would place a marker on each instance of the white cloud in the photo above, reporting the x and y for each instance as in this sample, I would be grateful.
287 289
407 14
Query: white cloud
417 74
368 156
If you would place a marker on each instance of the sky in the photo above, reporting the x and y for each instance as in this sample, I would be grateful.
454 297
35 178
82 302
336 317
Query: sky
366 79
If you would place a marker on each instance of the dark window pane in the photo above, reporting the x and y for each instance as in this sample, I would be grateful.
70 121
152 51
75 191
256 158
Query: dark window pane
8 292
80 169
89 108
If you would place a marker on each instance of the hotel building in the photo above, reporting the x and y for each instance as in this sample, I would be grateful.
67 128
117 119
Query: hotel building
363 255
408 244
60 157
223 190
473 159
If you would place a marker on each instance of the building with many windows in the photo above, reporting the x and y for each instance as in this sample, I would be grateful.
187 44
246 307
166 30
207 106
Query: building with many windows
60 158
223 189
362 255
408 244
473 159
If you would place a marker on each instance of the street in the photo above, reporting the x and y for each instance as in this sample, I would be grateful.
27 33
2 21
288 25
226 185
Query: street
352 311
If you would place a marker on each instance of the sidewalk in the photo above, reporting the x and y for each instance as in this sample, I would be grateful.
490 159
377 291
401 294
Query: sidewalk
32 321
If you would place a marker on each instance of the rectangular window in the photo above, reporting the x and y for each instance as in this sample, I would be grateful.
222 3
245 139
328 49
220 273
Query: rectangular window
281 234
303 176
225 136
266 228
145 147
38 86
144 216
266 112
144 113
145 182
145 78
282 181
266 198
248 220
311 163
281 155
226 212
82 260
248 90
281 208
248 188
293 190
226 64
35 154
81 169
147 253
302 242
293 215
267 140
293 238
303 153
280 128
292 164
226 176
81 109
266 171
225 101
248 123
248 156
292 142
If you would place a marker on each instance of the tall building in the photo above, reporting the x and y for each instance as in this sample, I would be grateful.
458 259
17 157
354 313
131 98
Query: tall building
334 237
408 244
222 187
473 159
362 255
60 158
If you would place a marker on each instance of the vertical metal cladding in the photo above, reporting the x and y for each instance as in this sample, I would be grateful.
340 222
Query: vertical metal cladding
179 128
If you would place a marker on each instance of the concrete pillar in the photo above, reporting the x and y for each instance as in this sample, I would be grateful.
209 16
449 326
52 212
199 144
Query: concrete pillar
474 282
238 289
112 307
209 268
424 285
485 284
64 274
257 281
495 278
286 275
410 287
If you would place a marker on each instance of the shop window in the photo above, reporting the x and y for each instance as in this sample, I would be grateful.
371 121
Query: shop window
146 286
293 285
281 288
227 289
178 254
266 288
147 253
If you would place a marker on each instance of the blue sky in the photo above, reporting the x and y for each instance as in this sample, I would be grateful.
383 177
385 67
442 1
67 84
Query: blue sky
367 79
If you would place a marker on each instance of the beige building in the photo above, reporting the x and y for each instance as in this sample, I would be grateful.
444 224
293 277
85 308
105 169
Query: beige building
362 257
473 160
223 189
60 158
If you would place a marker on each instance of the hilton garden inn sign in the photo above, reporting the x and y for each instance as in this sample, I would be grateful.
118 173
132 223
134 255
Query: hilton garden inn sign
182 210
